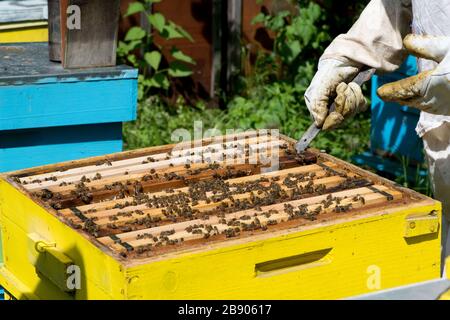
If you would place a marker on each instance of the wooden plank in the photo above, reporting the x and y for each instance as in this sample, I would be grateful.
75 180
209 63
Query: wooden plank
64 105
103 218
32 147
127 236
179 170
95 44
318 170
67 199
93 169
123 155
58 97
233 36
70 200
63 5
168 177
371 198
54 30
146 167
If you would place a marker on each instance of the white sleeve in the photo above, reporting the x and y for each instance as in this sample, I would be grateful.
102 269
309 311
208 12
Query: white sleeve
376 39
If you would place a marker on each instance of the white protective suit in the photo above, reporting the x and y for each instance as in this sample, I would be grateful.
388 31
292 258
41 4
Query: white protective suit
376 40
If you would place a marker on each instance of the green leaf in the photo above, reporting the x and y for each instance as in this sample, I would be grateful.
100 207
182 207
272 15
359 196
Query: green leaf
178 70
135 33
133 60
179 55
153 59
172 31
122 48
278 22
158 21
184 33
160 81
134 7
259 18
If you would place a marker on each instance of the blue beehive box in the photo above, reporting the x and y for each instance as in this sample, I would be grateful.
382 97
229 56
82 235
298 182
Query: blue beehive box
393 137
49 114
393 126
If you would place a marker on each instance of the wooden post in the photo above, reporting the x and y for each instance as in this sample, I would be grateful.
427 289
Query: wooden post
216 46
95 43
233 38
54 30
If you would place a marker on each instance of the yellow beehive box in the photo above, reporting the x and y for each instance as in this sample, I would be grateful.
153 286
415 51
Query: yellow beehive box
171 223
23 22
36 31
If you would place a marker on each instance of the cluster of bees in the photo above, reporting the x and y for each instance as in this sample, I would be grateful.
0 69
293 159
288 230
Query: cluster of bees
17 180
205 198
182 206
301 212
83 193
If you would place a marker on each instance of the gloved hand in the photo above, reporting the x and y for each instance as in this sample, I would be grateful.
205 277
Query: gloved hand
332 80
428 91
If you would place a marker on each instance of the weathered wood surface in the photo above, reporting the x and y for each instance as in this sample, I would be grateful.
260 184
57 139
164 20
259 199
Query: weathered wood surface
95 44
54 30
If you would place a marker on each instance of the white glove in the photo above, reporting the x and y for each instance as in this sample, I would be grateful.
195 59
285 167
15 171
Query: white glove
332 80
428 91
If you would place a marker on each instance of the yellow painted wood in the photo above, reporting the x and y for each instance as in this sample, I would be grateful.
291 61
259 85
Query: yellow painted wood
357 252
334 260
24 32
101 275
421 225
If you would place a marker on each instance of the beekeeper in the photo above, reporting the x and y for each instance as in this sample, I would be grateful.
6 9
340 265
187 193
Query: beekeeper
386 32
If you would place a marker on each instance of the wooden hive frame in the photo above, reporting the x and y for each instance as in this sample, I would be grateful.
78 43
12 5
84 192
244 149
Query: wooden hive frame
146 203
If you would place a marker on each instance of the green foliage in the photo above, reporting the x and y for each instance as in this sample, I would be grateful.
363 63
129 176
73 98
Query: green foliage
157 120
414 180
153 75
299 38
281 105
270 97
275 106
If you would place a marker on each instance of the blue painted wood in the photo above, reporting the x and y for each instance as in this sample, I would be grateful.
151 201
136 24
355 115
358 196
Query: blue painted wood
24 63
26 148
38 93
61 104
49 114
393 136
386 166
393 126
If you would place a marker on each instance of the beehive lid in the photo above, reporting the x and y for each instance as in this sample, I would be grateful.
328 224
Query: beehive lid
25 63
21 11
